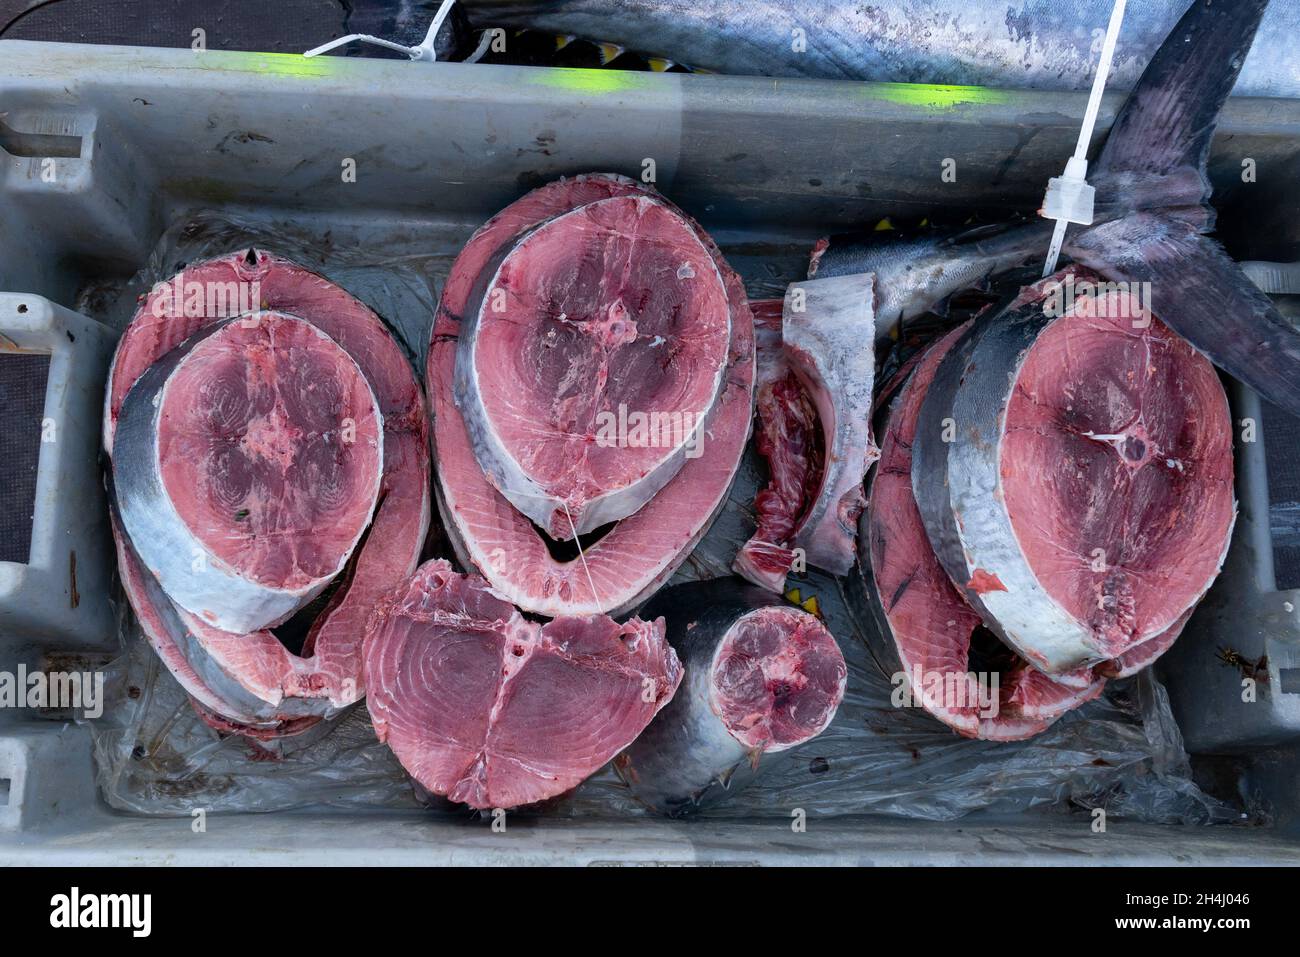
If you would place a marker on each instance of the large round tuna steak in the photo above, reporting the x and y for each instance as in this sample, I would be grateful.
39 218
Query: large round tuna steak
1085 500
250 680
247 462
634 557
926 630
596 351
492 710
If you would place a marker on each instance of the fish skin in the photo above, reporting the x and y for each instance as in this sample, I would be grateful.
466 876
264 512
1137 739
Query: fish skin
914 275
1016 44
837 367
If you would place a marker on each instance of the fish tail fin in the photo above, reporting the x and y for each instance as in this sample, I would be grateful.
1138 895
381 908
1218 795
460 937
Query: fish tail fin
1156 152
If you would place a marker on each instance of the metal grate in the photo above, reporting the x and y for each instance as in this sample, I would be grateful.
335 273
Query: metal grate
22 397
1282 457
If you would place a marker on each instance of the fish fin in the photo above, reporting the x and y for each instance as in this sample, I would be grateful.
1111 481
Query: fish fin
563 41
810 605
793 595
755 755
884 225
1166 125
1203 296
609 52
659 64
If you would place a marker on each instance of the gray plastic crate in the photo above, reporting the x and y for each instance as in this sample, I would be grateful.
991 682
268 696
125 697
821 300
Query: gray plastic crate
138 137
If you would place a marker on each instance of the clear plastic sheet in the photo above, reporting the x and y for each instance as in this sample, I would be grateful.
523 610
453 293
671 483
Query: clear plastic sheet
154 755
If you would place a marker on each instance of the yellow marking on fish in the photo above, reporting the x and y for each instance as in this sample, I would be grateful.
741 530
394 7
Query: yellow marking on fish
659 64
562 42
884 225
793 595
609 52
811 606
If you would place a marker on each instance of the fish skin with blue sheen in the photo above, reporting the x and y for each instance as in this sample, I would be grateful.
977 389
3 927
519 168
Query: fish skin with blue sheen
1012 44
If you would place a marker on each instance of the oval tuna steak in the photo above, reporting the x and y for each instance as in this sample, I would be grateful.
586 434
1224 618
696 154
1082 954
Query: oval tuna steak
634 557
1085 501
251 679
492 710
927 633
761 677
246 465
595 352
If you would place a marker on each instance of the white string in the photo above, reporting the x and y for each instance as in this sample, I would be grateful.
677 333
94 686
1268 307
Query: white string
1089 120
577 540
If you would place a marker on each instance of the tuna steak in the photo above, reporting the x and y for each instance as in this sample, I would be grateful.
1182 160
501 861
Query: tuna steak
928 637
1074 468
594 352
492 710
252 679
816 372
634 557
247 462
761 677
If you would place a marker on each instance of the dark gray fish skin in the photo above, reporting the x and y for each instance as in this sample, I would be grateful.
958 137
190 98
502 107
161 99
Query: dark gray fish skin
240 706
1017 44
686 758
930 463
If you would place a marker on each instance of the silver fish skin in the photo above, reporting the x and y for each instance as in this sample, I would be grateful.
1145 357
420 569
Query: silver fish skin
821 328
1013 44
947 480
686 759
914 275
